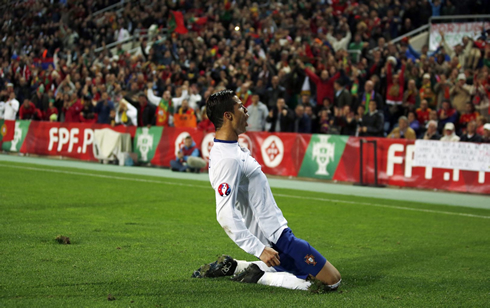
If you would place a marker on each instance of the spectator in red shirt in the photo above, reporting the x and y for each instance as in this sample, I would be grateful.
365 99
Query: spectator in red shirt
72 108
324 84
469 115
423 112
206 124
28 111
50 111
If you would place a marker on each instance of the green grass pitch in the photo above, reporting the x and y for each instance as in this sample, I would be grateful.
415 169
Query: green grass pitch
140 238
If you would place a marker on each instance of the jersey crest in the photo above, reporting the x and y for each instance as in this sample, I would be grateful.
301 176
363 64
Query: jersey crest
310 259
224 189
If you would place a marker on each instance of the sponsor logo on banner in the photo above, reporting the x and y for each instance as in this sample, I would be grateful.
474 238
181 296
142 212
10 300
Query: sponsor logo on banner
323 152
20 132
272 151
206 145
146 142
59 137
179 141
322 156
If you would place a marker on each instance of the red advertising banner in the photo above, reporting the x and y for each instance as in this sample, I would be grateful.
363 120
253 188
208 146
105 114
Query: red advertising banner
395 158
172 140
65 139
279 154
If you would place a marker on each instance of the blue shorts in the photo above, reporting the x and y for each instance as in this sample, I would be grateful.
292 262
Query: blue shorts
297 256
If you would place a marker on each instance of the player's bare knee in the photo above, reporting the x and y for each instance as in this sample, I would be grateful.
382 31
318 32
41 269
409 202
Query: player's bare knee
329 275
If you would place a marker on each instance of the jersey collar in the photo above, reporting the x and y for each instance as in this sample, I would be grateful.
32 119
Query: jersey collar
225 141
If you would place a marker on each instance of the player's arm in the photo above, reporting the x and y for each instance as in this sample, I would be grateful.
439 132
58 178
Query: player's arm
227 174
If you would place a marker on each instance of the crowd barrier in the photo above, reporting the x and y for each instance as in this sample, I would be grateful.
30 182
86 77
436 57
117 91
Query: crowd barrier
326 157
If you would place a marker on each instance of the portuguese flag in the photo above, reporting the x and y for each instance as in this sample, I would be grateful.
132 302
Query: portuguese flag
7 130
176 22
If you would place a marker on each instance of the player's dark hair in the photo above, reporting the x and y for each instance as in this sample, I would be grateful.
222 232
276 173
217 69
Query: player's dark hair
219 103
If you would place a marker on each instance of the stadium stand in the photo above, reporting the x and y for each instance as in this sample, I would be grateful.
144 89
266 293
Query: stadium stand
85 61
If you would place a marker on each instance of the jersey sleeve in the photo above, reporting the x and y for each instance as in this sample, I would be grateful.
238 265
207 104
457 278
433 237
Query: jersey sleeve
227 179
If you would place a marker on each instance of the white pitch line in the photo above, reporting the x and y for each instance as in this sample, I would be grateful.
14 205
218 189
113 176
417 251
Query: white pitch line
278 195
386 206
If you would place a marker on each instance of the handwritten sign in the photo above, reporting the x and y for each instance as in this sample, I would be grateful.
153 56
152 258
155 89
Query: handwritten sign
452 155
454 32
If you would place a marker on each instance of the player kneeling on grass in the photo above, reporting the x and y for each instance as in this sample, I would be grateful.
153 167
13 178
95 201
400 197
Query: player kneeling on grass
246 210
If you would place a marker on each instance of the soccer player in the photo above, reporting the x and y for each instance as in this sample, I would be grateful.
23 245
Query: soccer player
246 210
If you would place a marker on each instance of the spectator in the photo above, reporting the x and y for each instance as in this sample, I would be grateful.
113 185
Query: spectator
394 91
306 100
460 93
461 52
302 122
413 122
344 122
324 122
486 133
2 109
103 109
88 115
194 99
185 116
147 112
126 114
280 117
368 95
164 106
11 107
274 92
427 93
403 130
411 97
372 122
431 133
471 135
71 108
436 7
326 105
341 41
324 84
121 34
257 112
181 93
188 158
442 89
51 113
342 96
449 133
448 9
206 124
313 118
469 115
480 123
40 99
447 114
423 112
28 111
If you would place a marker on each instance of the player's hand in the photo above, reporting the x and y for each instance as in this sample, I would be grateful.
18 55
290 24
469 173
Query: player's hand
270 257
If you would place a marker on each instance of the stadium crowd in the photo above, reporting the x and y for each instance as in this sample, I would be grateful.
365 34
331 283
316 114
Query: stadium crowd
299 66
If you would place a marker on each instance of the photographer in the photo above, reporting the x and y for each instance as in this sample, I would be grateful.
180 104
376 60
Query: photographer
280 117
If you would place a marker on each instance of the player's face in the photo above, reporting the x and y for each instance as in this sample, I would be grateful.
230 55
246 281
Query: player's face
240 117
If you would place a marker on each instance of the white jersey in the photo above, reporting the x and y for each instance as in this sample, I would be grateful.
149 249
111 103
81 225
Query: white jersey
245 207
11 109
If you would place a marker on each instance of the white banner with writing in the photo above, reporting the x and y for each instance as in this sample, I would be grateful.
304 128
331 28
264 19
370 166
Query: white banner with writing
454 32
452 155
